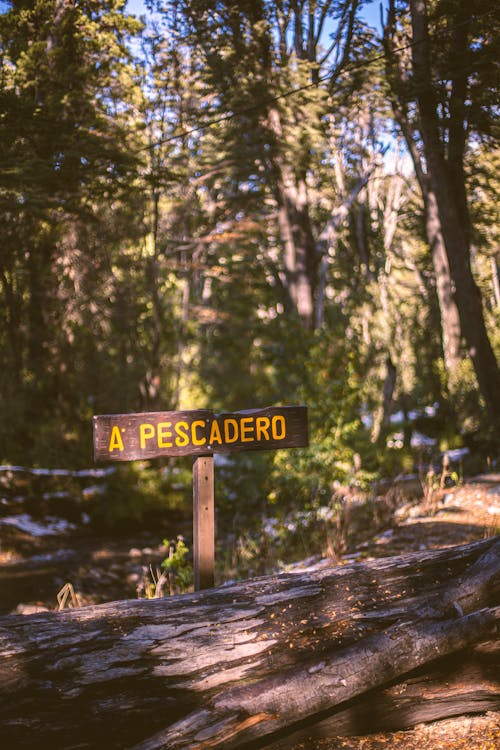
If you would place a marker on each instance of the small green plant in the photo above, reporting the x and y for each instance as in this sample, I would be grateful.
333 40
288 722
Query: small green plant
176 576
177 567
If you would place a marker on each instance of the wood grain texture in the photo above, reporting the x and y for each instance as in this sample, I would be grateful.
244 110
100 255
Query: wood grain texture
203 522
127 437
243 663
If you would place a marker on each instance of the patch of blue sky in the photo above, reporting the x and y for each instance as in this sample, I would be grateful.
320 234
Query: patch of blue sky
370 11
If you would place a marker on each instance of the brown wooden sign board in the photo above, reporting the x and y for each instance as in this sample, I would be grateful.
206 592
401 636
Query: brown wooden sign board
199 433
127 437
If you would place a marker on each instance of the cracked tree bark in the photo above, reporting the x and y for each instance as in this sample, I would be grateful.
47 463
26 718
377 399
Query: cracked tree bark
244 664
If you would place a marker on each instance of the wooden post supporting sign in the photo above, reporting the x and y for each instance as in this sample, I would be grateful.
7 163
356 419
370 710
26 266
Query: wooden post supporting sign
200 433
203 522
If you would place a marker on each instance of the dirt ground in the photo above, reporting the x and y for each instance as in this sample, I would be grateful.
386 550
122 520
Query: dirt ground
463 733
457 515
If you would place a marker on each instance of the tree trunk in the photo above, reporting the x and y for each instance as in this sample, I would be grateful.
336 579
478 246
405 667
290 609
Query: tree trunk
300 259
453 224
451 332
39 261
382 418
326 245
237 664
12 317
495 281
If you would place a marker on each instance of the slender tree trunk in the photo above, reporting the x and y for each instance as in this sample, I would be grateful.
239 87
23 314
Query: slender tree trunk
293 221
450 319
495 281
300 257
181 337
39 269
327 240
451 333
382 418
150 385
13 316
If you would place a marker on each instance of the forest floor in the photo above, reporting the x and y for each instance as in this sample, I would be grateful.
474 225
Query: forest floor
35 566
453 515
481 732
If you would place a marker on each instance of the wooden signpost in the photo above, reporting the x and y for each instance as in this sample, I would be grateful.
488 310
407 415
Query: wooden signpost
199 433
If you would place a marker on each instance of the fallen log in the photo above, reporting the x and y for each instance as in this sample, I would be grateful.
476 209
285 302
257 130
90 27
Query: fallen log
242 664
462 683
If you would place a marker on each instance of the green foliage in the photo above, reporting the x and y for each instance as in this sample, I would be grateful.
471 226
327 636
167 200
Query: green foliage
64 94
177 566
325 377
162 197
330 386
138 493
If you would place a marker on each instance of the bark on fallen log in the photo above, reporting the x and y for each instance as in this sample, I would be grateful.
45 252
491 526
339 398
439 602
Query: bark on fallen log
459 684
241 664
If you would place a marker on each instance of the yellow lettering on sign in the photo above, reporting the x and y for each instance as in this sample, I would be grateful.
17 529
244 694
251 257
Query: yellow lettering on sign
234 425
262 425
146 432
164 432
247 429
194 437
215 433
278 427
115 440
181 435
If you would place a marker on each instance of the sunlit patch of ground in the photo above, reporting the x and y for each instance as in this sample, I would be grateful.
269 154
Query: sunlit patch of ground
463 733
